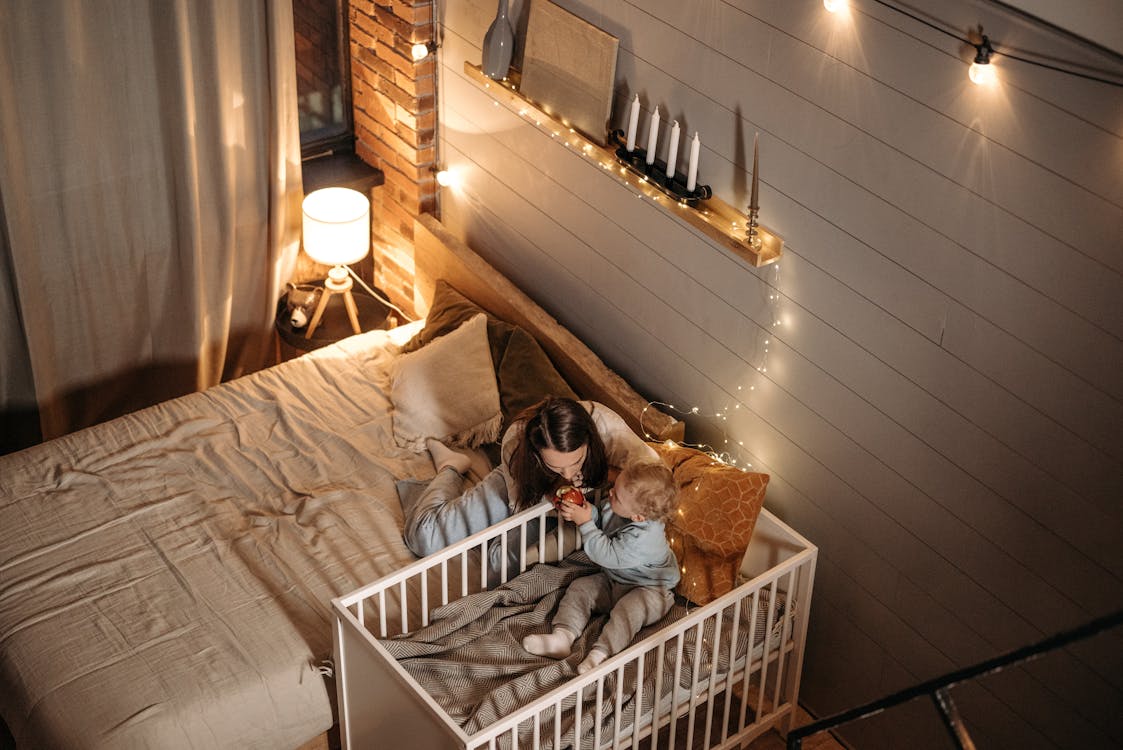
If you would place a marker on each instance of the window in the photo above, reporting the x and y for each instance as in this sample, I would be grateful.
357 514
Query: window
323 76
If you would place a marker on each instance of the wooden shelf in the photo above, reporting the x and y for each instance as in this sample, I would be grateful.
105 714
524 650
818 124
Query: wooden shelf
713 216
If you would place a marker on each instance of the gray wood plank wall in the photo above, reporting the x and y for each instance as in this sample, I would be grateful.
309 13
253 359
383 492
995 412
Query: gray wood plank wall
931 374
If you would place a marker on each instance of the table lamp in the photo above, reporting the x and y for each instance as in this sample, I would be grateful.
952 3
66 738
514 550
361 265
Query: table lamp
337 234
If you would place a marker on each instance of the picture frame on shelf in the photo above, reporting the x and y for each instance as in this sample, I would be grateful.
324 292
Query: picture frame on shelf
569 69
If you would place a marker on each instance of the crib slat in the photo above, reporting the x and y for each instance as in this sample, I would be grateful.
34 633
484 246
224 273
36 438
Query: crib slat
619 707
660 654
382 612
748 666
732 669
503 564
557 719
765 651
464 573
522 547
577 718
694 681
675 689
483 563
444 582
787 618
599 715
404 604
714 652
424 599
636 715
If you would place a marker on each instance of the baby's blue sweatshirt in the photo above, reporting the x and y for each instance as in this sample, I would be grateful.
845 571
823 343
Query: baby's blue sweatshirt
630 551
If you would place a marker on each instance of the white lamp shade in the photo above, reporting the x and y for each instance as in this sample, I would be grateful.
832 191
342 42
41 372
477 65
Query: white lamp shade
336 226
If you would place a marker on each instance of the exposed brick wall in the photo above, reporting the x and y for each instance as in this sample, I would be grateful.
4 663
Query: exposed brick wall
394 102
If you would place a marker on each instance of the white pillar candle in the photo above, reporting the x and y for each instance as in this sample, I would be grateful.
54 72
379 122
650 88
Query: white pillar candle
633 123
672 149
692 167
653 136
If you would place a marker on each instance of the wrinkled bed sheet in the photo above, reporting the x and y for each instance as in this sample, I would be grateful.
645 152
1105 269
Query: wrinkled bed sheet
165 578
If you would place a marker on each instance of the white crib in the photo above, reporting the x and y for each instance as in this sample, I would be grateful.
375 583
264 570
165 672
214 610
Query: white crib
722 702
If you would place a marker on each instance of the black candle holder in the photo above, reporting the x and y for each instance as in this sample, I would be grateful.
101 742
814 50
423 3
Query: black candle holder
656 172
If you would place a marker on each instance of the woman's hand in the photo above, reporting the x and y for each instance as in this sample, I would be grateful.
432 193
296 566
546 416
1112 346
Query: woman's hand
579 514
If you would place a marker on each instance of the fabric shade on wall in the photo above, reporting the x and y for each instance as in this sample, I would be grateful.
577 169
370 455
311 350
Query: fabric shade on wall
150 174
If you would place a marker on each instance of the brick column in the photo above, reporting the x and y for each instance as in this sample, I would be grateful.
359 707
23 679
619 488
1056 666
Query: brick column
395 112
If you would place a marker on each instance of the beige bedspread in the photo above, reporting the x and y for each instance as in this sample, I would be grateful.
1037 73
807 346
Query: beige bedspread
165 577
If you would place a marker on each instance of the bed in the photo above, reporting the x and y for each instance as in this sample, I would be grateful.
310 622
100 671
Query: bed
166 578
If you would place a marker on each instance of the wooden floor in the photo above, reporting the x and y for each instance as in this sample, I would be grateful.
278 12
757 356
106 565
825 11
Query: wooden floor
821 741
770 740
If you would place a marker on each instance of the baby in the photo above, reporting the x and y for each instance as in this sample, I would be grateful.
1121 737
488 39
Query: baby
625 537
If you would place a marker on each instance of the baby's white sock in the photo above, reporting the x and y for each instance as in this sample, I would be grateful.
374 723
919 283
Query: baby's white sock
444 456
556 645
592 661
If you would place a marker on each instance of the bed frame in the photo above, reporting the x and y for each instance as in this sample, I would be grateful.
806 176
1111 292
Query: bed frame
380 704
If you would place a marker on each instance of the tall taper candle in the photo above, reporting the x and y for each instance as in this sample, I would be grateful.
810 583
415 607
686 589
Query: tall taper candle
653 135
672 149
692 167
633 123
754 202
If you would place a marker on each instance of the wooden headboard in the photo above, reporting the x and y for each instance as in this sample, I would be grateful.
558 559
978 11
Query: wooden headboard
440 255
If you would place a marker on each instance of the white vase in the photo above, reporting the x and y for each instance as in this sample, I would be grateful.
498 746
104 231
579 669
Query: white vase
499 43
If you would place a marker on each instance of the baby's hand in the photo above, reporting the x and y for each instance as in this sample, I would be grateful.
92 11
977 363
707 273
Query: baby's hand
579 514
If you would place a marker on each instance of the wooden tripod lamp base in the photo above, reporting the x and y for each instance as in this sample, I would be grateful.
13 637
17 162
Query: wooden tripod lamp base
337 282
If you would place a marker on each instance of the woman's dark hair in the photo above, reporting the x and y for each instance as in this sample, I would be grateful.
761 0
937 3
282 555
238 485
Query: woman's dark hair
560 424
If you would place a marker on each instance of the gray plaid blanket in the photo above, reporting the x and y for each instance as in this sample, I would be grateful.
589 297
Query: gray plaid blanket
471 661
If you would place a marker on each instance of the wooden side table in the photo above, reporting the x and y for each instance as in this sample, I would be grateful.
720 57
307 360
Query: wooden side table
334 325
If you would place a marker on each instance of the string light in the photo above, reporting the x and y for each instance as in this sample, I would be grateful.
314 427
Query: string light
448 178
981 70
719 456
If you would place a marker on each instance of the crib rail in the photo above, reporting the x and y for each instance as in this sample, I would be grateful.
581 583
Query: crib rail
724 673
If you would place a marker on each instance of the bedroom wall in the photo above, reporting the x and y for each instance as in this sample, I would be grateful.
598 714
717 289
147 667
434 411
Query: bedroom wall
931 374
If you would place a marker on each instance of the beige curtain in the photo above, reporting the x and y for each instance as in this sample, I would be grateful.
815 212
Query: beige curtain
149 199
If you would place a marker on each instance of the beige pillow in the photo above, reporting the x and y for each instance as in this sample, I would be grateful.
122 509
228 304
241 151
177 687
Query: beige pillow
447 390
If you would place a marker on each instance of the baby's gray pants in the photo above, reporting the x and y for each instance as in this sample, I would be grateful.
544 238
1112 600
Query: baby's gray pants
629 606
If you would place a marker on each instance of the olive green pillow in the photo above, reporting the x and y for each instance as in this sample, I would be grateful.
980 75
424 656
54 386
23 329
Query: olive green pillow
449 310
526 376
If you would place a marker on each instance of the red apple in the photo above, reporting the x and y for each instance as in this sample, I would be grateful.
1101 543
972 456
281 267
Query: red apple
570 493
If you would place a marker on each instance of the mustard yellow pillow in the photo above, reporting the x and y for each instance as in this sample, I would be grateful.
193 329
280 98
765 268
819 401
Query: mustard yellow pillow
718 506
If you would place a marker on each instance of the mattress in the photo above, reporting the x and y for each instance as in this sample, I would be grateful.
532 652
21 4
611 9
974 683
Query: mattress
166 577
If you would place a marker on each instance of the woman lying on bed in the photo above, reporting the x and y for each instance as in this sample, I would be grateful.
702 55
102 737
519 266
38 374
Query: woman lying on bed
557 441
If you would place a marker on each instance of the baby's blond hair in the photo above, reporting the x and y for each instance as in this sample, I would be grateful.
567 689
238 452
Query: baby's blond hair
653 487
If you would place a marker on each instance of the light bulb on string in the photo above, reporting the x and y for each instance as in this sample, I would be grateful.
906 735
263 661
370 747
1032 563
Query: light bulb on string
981 71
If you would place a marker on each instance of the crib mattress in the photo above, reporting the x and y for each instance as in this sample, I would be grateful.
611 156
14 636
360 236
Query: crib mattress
165 578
